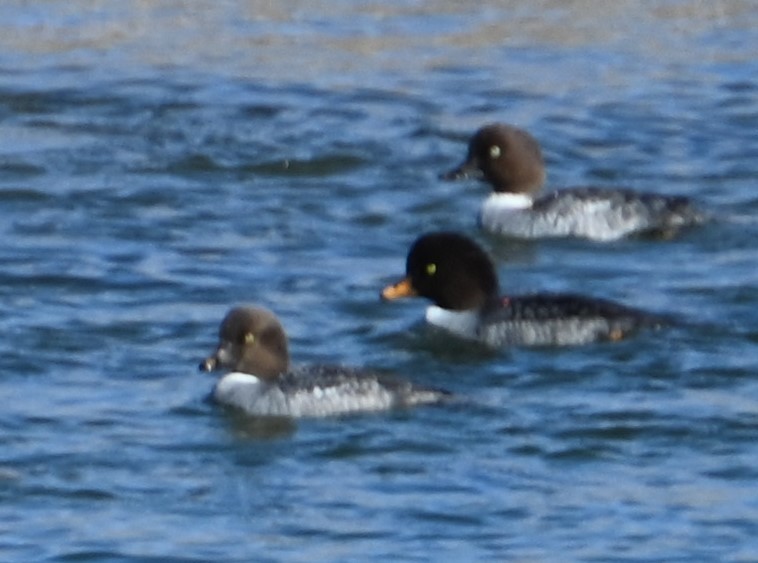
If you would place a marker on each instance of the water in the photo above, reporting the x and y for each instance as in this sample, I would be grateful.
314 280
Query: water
160 162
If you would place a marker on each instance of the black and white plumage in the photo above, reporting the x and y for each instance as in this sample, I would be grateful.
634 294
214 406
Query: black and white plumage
253 344
510 160
459 278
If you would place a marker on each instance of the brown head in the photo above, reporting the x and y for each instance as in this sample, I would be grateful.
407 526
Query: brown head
507 157
251 340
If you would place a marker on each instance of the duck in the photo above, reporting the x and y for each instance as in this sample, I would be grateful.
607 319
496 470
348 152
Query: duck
459 278
510 160
260 381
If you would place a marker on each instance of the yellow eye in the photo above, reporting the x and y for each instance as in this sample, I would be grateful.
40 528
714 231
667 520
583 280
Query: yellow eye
431 269
249 338
494 151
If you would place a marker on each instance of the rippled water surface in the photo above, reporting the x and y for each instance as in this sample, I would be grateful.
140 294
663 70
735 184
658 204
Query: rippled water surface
160 162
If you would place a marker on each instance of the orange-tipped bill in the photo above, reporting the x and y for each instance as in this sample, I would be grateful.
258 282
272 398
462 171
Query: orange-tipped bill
403 288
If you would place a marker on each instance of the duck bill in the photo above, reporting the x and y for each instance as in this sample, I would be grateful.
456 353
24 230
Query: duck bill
469 168
209 364
403 288
222 357
217 360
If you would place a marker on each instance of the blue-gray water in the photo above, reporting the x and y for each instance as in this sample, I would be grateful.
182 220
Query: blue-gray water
160 162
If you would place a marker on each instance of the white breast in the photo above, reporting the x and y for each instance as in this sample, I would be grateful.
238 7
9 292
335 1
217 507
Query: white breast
238 389
302 398
461 323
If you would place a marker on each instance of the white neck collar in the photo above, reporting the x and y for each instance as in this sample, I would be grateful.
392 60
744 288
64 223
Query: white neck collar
509 201
460 323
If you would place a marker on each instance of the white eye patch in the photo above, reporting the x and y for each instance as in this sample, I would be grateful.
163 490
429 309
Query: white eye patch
495 151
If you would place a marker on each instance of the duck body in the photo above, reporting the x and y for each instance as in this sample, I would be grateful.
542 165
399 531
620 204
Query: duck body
544 319
320 391
510 160
600 214
459 278
253 345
